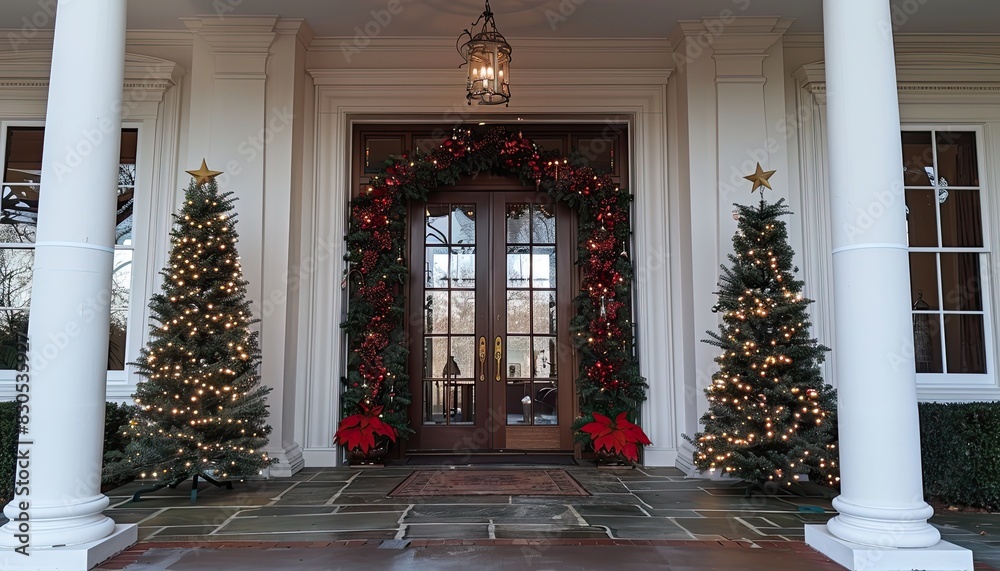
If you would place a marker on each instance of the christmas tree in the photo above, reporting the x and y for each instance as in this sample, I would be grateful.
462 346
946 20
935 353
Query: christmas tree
202 409
770 416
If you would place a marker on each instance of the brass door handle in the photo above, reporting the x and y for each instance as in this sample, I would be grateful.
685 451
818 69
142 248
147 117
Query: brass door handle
482 358
498 355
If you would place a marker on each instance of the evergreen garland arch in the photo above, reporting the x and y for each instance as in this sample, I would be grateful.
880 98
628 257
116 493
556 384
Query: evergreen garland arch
609 382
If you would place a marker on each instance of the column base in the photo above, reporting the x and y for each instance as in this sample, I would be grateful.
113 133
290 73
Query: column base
73 557
941 557
290 461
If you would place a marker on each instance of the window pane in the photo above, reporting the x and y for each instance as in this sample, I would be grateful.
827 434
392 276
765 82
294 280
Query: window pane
463 312
436 267
24 154
518 266
956 157
918 156
121 279
519 402
961 220
378 150
117 342
463 224
546 403
15 276
543 223
927 343
543 267
518 311
960 282
544 363
518 223
544 312
436 224
123 214
461 361
436 312
463 267
434 405
435 356
13 327
923 281
18 213
965 343
518 357
921 221
597 152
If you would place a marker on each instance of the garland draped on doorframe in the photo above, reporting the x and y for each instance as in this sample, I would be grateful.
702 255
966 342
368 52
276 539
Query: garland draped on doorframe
609 382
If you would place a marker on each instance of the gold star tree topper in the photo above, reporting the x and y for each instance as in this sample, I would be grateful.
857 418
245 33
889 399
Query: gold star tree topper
759 179
203 175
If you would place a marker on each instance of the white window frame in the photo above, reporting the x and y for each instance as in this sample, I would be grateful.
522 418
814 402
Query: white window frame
136 297
944 381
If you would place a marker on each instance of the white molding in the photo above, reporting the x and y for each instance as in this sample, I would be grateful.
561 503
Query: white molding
577 46
346 96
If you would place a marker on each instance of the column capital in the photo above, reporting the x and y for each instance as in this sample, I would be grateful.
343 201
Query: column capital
739 44
240 44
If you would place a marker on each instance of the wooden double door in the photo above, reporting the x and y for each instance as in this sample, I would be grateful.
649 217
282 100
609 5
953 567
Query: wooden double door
491 364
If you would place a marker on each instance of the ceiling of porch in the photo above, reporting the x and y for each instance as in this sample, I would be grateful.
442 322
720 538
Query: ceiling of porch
525 18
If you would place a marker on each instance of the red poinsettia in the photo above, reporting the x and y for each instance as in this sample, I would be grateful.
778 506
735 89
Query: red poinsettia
358 431
618 436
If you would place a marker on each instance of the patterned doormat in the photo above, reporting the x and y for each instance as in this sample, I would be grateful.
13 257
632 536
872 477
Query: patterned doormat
489 483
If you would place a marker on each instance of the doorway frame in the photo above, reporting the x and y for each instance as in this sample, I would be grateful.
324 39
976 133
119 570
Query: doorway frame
336 99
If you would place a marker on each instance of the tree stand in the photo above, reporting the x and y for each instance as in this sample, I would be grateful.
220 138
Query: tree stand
194 486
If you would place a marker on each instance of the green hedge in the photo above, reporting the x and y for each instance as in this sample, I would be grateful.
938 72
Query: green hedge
960 448
115 416
8 448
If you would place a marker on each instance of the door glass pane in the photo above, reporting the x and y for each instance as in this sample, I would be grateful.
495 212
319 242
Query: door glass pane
461 361
436 312
434 402
519 402
546 403
121 279
918 155
378 150
960 282
921 219
463 312
436 224
436 267
956 157
599 152
435 356
543 267
961 220
923 280
518 357
965 342
518 223
463 267
543 223
518 266
463 224
542 355
463 402
543 311
518 311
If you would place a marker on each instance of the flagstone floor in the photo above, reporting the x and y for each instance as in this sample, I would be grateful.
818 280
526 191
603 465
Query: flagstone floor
638 507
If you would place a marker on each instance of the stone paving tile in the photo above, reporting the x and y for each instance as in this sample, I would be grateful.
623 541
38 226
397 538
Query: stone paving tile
549 532
670 500
456 531
367 508
299 523
436 513
192 516
273 538
612 510
640 527
287 511
373 485
125 515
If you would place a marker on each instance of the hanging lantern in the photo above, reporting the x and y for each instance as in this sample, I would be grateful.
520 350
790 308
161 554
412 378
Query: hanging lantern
487 57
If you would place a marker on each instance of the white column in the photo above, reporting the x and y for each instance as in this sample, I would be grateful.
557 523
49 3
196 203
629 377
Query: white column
883 519
60 455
